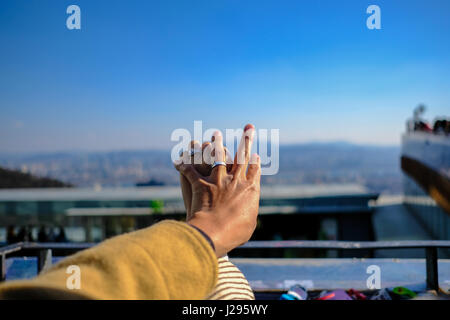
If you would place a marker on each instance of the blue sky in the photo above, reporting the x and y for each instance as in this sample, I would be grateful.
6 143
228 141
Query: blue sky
137 70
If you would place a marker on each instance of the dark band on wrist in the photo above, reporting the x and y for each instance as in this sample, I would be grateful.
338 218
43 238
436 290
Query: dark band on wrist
205 236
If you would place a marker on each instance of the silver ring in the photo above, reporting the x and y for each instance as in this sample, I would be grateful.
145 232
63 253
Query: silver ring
218 163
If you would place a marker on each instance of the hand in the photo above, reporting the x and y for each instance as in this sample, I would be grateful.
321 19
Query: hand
225 205
201 158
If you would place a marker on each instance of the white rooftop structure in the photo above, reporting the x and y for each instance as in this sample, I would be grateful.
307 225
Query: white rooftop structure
170 193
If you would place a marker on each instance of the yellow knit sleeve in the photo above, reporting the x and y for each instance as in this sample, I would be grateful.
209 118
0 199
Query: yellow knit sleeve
169 260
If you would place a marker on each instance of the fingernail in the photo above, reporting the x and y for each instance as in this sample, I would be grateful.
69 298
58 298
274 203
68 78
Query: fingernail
216 134
250 133
249 126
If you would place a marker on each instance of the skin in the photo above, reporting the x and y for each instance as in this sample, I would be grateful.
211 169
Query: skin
204 168
223 204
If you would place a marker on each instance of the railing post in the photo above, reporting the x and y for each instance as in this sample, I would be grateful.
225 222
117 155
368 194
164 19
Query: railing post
2 267
44 259
432 269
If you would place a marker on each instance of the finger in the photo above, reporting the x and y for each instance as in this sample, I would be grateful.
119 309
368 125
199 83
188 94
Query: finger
219 155
178 161
186 188
196 153
228 159
186 191
208 153
206 160
243 154
186 157
189 172
254 169
205 144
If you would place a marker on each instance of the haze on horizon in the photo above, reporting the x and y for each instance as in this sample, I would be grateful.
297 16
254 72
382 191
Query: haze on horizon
136 71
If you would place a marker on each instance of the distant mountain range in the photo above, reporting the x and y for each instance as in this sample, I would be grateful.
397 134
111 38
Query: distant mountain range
376 167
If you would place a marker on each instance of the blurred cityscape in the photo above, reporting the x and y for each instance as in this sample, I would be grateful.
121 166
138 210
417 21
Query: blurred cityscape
375 167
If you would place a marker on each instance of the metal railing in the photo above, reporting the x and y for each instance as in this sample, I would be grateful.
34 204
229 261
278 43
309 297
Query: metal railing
45 251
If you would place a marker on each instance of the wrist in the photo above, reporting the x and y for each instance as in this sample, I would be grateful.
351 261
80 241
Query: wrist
204 235
205 227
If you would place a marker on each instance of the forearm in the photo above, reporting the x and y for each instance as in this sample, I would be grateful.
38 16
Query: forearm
169 260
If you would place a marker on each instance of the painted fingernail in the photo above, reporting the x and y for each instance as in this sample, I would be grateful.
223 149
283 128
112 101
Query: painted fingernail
249 126
250 133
